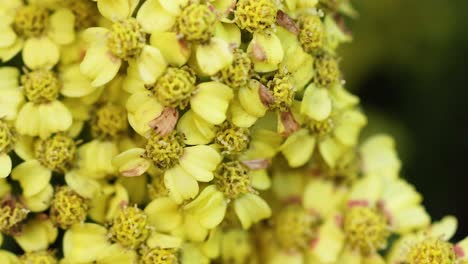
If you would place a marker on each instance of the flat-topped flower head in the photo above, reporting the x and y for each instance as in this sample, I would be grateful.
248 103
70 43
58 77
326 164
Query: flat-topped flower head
238 73
40 86
56 153
232 139
365 228
12 214
174 87
282 90
327 71
164 151
293 227
31 21
126 39
431 251
311 33
255 15
232 178
68 208
129 227
7 137
196 23
38 257
159 256
109 121
86 13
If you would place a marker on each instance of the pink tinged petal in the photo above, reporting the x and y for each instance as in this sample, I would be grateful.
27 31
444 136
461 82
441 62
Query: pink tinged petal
40 53
287 22
290 125
165 123
131 162
99 65
62 26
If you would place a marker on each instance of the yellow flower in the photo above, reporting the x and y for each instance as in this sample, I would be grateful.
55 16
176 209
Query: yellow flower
84 243
34 28
37 234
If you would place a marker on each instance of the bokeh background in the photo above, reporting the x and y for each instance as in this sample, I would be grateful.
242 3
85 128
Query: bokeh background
409 64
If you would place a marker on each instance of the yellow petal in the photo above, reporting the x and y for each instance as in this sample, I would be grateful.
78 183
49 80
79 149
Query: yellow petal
151 64
115 10
95 158
348 127
40 201
342 98
238 116
7 36
40 53
163 241
74 83
331 150
330 240
62 26
84 243
174 51
7 53
152 16
209 207
181 185
200 161
213 56
259 179
444 228
316 103
116 254
265 51
10 102
32 176
163 213
249 99
34 236
366 189
323 197
398 194
409 219
196 130
24 147
250 208
81 184
211 101
130 163
228 32
7 257
5 165
298 148
142 108
380 157
193 230
99 65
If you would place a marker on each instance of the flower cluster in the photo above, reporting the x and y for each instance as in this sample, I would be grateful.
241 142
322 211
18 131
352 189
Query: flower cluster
195 131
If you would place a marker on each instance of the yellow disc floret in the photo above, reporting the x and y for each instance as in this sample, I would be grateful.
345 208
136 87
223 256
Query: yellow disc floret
109 121
196 23
255 15
7 137
126 39
40 86
56 152
283 92
68 208
129 227
31 21
86 13
293 227
232 179
159 256
321 128
431 251
232 139
327 71
239 72
12 215
38 257
164 151
174 87
366 229
311 34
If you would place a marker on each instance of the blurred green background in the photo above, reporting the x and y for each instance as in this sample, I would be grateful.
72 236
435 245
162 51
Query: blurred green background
408 63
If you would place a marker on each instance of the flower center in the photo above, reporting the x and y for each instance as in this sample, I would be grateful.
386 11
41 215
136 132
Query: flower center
7 137
282 91
40 86
232 139
311 33
11 216
129 227
321 128
232 179
86 13
159 256
239 72
110 121
56 153
366 229
255 15
293 227
196 23
68 208
327 71
174 87
126 39
42 257
31 21
165 151
431 251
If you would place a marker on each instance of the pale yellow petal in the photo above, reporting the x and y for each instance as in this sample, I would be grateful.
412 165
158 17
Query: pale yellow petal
40 53
196 130
84 186
211 101
115 10
40 201
131 162
151 64
330 240
298 148
62 26
7 36
153 17
316 103
32 176
209 207
34 236
181 185
74 83
331 150
99 65
5 165
214 56
175 51
84 242
116 254
163 213
142 108
163 241
251 208
200 161
7 53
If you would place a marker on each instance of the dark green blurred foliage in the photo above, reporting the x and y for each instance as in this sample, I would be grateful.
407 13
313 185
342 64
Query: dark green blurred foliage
408 63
